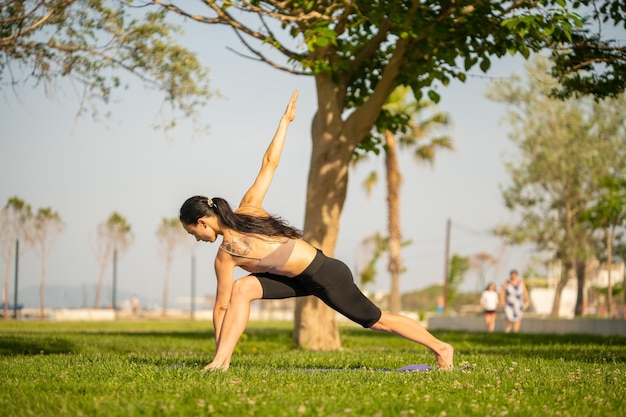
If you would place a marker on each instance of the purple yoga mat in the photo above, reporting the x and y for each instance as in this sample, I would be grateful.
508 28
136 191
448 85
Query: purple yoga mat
419 367
407 368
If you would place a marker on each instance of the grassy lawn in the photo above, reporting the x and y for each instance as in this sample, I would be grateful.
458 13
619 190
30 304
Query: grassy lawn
152 368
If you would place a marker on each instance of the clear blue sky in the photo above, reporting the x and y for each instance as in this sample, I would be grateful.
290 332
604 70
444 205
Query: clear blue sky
85 170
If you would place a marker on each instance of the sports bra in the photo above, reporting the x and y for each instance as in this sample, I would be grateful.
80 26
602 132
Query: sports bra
270 262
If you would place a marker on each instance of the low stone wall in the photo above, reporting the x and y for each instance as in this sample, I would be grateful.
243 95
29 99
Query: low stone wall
602 327
84 314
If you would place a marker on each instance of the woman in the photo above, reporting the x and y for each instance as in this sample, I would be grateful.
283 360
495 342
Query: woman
489 303
281 264
514 298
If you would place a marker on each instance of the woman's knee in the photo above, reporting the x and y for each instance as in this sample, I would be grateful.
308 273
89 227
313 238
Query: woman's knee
382 324
246 289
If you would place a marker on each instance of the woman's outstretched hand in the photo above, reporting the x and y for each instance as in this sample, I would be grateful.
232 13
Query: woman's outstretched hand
290 111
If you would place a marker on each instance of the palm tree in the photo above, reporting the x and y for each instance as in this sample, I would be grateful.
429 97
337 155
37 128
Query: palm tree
46 227
416 133
171 236
114 235
14 219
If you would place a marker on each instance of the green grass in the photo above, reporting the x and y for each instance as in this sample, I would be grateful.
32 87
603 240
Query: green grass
153 369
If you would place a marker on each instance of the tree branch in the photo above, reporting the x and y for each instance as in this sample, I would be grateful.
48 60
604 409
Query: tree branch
33 26
372 106
90 51
263 58
225 18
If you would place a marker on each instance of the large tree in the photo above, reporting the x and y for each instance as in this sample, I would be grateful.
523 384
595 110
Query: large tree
93 43
566 149
358 52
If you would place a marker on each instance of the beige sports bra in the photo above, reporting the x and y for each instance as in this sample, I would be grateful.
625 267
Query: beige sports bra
272 261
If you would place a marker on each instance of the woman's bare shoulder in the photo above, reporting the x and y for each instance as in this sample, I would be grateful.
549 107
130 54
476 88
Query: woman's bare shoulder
252 211
224 259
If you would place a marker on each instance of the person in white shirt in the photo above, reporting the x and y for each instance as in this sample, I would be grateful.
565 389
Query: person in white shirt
489 303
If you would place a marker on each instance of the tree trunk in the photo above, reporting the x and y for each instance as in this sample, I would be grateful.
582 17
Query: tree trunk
5 292
42 284
7 274
334 141
315 327
581 272
609 286
394 179
624 296
565 274
166 282
104 261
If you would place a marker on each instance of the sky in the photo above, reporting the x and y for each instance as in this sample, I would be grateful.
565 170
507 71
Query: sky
86 169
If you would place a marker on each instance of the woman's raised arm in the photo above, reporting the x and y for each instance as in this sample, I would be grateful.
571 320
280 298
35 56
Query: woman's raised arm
253 198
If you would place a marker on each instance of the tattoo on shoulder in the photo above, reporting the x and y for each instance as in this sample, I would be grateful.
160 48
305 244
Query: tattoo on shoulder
238 246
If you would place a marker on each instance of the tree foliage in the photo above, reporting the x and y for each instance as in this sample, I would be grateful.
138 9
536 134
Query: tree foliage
92 42
358 52
352 42
459 265
566 149
420 127
379 246
608 214
592 62
480 262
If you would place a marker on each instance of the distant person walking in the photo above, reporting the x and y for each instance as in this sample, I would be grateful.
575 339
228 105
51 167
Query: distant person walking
514 298
489 300
135 306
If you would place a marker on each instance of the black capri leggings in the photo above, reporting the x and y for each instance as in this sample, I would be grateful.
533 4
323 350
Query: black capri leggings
331 281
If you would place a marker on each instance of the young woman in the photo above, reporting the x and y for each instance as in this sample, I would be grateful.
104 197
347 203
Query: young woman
489 301
281 264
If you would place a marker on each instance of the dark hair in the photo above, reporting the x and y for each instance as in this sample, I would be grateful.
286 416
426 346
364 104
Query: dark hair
199 206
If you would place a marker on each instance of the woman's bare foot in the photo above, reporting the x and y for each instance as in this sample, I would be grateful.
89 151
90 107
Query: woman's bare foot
214 366
445 357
